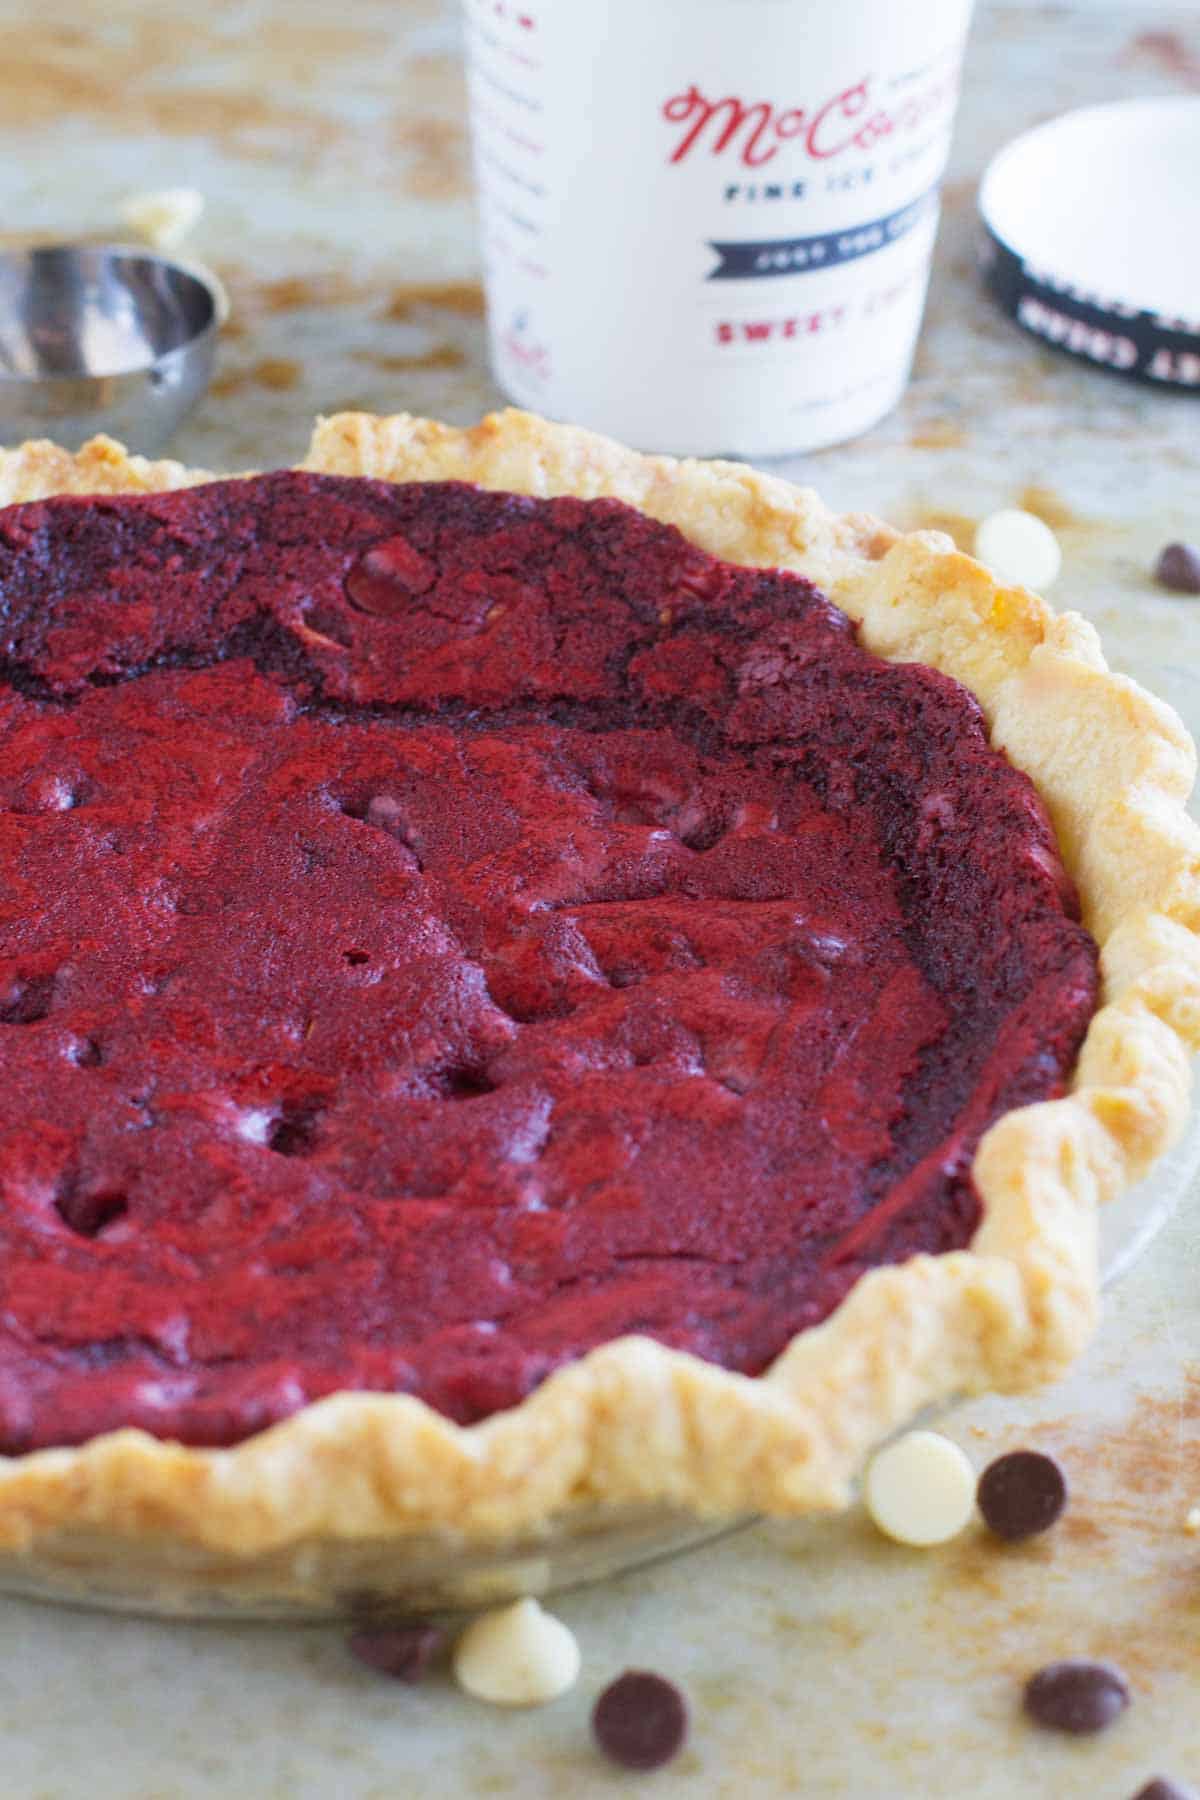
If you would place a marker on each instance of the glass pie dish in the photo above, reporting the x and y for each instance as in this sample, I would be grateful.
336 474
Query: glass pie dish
427 1574
366 1502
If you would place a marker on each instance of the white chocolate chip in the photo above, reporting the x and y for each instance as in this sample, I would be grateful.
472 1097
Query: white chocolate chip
255 1125
921 1489
1192 1522
164 217
1019 548
517 1655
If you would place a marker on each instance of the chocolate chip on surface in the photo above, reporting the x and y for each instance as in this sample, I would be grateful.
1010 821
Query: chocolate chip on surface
518 1655
405 1652
1178 568
1076 1696
920 1489
640 1720
1159 1788
1018 547
1021 1494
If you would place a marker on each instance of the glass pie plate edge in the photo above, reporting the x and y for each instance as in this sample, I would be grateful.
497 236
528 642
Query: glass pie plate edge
361 1580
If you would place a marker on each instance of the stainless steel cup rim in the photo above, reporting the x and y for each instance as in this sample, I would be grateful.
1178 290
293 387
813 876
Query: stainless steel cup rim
72 312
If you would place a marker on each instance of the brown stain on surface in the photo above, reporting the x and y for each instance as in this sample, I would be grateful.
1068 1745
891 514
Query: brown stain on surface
299 49
293 293
938 434
959 526
278 374
437 80
1131 1486
263 90
1051 508
31 240
1168 52
434 150
462 297
268 297
441 356
131 74
1033 498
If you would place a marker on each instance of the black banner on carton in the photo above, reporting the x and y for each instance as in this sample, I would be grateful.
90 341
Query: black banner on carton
755 259
1125 340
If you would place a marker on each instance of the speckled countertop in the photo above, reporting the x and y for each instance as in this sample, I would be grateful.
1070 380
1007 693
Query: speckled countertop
329 141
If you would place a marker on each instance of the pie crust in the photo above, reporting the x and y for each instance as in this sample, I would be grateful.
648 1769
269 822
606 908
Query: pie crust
634 1425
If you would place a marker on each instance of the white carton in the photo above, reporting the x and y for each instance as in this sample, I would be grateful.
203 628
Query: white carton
707 227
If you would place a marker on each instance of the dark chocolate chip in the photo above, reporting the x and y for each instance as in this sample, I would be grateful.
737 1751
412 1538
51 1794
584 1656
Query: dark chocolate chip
1021 1494
1079 1697
28 1000
89 1213
196 905
294 1132
1159 1788
386 577
465 1084
1178 568
405 1652
640 1720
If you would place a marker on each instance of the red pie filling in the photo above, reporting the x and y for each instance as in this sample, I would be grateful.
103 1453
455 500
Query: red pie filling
441 931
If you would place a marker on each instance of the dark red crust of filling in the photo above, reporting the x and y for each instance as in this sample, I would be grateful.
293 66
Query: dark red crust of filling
441 931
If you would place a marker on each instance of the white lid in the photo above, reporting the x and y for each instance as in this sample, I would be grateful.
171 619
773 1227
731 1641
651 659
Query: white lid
1106 201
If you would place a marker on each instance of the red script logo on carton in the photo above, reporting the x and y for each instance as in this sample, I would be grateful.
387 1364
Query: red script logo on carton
753 132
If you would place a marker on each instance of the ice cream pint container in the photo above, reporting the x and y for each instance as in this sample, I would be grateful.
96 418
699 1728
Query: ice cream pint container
707 228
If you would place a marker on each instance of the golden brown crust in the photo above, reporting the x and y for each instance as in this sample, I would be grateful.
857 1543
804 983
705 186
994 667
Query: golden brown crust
37 469
633 1423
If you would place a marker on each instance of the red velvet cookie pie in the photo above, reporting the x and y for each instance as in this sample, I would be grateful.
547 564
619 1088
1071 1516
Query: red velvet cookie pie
514 961
445 931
